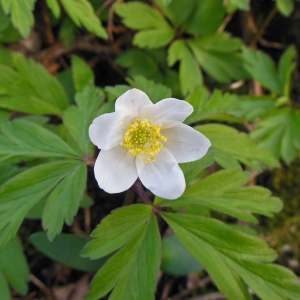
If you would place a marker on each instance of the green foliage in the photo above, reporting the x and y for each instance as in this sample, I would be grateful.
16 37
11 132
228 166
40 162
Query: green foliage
232 148
154 31
82 73
12 259
233 258
279 132
222 192
285 6
21 14
72 245
240 4
35 90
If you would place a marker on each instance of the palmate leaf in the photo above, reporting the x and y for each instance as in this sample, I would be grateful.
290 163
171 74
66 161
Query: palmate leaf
35 90
21 192
63 202
88 19
218 107
222 192
232 257
12 259
279 132
232 148
21 14
218 55
132 271
190 75
78 118
154 31
22 137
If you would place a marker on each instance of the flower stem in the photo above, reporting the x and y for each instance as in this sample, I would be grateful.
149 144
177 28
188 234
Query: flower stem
140 191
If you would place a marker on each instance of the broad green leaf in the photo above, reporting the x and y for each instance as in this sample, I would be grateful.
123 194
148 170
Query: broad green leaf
21 14
155 91
240 4
175 258
7 171
23 191
139 62
35 90
63 202
54 6
117 229
177 11
190 75
82 73
232 148
66 80
252 107
222 191
4 288
153 38
132 271
211 242
88 19
4 20
14 267
279 132
213 108
67 32
262 68
21 137
285 6
71 244
206 18
191 169
77 119
114 92
156 31
137 15
285 69
222 63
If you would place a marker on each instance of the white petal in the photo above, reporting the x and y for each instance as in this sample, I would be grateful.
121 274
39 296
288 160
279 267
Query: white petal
115 170
167 111
107 131
164 177
133 101
185 143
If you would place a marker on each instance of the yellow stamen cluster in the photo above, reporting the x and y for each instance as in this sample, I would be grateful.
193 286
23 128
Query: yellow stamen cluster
144 140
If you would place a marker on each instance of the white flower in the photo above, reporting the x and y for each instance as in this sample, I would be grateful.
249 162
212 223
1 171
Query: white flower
145 140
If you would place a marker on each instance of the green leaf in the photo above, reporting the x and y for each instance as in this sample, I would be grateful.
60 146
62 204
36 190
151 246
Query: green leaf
67 32
211 109
35 90
155 33
4 20
155 91
7 171
222 191
240 4
88 19
217 55
21 137
14 267
82 73
23 191
63 202
232 147
54 6
175 258
21 14
153 38
279 132
285 6
286 67
71 244
132 271
207 17
137 15
114 92
190 75
191 169
117 229
230 256
4 288
77 119
262 68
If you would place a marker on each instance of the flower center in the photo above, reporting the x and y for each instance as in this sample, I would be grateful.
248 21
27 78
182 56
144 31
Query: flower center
144 140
